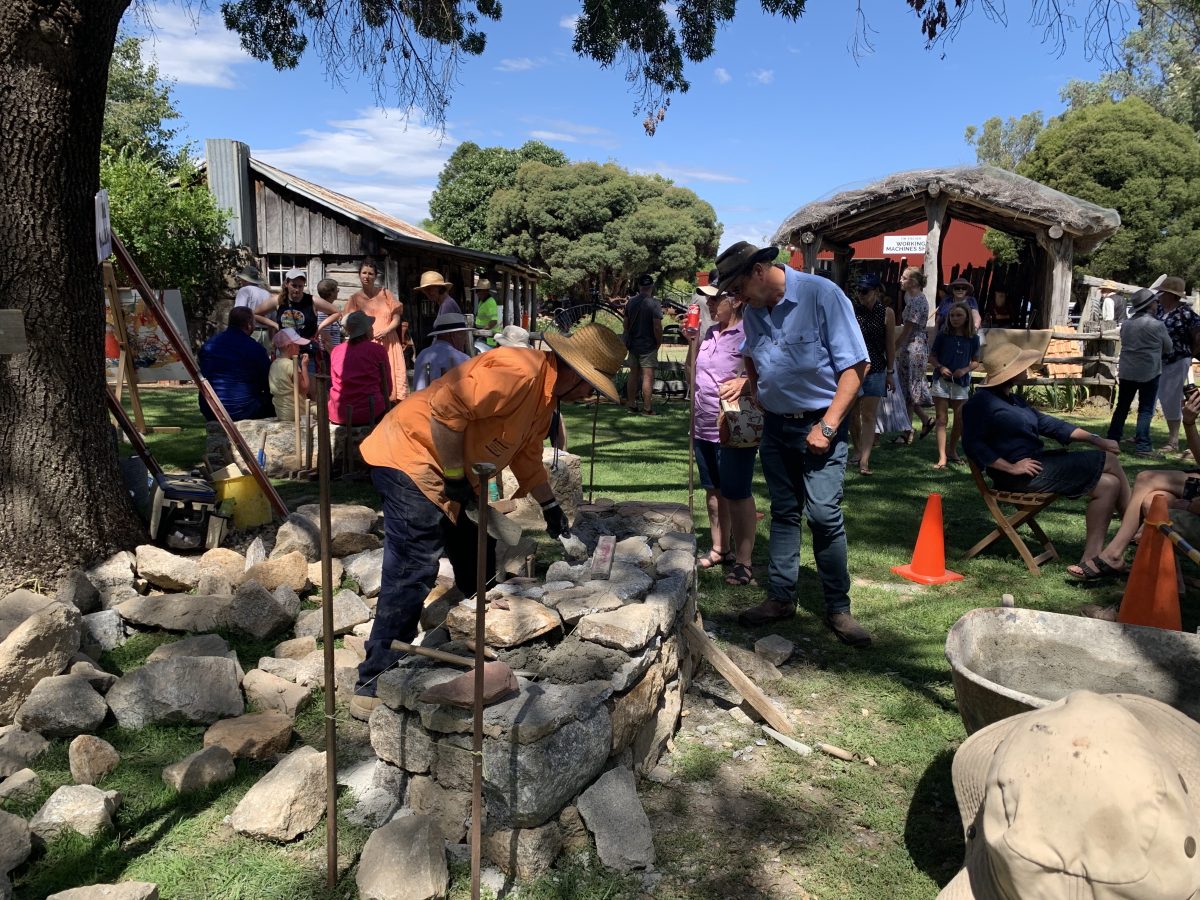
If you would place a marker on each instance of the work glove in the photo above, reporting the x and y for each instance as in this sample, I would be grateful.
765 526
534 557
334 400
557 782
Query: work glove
556 519
459 490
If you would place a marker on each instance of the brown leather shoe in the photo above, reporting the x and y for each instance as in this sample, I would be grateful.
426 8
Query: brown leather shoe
766 612
361 707
847 629
1096 611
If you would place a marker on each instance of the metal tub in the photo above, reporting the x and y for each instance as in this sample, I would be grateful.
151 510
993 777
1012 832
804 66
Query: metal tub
1008 661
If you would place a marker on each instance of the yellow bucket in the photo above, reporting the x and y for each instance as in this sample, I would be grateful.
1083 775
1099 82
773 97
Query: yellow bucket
250 506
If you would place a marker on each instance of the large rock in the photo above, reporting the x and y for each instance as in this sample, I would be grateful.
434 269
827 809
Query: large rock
91 759
257 613
655 732
629 628
21 786
523 621
404 860
267 692
165 570
524 853
19 748
199 770
449 808
526 784
224 562
195 613
62 706
636 707
336 574
196 645
296 648
15 845
348 611
344 518
366 569
102 631
254 736
541 708
774 648
97 678
566 481
75 807
298 535
287 802
290 569
116 571
126 890
350 543
399 739
76 590
40 646
676 562
173 691
614 814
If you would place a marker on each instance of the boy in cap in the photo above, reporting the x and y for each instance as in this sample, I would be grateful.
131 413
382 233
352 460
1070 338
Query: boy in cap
288 345
447 349
643 337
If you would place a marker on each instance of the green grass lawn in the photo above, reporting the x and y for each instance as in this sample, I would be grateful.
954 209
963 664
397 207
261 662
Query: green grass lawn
852 831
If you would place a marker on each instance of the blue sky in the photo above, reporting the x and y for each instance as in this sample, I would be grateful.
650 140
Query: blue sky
782 113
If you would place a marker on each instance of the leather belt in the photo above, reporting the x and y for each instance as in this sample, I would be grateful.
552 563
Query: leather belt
807 414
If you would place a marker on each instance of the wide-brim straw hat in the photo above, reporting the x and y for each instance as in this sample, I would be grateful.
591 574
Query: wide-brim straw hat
1173 284
431 279
1007 362
1067 840
512 336
483 285
594 352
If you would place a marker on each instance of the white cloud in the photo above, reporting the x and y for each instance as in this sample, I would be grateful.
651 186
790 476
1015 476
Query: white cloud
382 157
568 22
520 64
194 49
763 76
756 232
685 174
722 75
558 136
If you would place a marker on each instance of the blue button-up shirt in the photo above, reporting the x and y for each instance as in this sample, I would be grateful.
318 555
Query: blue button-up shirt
439 358
997 426
802 344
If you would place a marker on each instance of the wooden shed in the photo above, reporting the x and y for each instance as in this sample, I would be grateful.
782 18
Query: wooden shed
1057 225
288 222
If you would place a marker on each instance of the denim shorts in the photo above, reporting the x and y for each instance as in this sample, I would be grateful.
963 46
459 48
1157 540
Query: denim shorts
728 470
874 385
946 389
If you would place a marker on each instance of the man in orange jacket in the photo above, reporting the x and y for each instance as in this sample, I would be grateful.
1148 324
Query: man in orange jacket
496 409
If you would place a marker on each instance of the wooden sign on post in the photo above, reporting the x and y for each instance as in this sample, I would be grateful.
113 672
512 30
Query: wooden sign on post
12 332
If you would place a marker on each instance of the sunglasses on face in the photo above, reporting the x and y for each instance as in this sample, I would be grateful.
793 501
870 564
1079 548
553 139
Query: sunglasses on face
959 290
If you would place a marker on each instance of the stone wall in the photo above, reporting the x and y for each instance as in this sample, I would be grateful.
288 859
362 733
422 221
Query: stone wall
602 669
280 447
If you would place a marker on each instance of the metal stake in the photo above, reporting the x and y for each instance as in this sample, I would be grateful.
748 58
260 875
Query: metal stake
330 685
592 466
485 472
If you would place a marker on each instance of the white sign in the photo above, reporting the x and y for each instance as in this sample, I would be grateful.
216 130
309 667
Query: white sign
103 227
904 244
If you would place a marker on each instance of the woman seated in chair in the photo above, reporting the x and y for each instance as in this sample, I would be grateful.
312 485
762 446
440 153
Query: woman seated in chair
1003 436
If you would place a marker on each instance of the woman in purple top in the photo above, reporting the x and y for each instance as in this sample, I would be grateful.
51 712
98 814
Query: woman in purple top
725 472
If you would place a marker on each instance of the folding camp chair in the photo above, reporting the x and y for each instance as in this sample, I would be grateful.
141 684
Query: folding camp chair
1028 506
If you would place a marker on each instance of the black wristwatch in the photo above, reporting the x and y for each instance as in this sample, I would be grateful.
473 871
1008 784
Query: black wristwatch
827 430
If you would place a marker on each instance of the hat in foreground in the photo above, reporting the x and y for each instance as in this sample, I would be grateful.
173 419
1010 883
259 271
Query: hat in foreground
512 336
1007 362
448 323
1094 797
739 258
594 352
357 324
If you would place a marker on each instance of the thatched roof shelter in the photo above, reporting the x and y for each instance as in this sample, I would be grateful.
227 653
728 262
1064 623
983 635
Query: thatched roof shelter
1058 223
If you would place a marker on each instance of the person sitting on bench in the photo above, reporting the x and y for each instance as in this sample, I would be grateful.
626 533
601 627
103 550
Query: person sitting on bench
237 367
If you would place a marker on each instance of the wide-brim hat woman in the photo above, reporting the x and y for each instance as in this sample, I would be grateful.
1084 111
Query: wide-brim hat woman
1006 362
596 354
431 279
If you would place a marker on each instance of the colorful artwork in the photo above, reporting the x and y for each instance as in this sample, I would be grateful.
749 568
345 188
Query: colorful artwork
153 356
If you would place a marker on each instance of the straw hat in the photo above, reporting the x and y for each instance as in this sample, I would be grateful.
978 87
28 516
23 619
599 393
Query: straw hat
482 286
1173 284
448 323
357 324
1007 362
594 352
1094 796
512 336
431 279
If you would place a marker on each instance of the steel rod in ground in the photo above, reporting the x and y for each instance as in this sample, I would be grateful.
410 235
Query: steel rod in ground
592 468
484 471
330 685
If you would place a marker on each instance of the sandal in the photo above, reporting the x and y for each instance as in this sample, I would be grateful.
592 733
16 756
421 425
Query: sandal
862 471
712 559
926 427
954 460
739 576
1094 569
939 466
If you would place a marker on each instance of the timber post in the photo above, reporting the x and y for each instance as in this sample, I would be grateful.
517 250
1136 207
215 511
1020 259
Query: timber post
936 208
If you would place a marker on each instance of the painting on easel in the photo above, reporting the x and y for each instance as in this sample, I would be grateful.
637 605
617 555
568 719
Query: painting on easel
153 357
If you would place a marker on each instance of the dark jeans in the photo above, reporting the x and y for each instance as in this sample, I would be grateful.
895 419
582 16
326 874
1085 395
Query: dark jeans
1146 392
416 534
804 484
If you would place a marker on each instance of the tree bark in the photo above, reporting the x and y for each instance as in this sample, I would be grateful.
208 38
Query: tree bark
62 502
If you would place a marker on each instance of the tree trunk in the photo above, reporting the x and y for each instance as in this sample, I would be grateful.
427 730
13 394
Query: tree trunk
62 502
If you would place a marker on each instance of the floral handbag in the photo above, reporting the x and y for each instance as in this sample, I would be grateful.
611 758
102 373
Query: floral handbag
740 424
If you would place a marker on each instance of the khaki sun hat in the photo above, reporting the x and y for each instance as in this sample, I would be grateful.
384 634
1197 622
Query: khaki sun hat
594 352
482 286
432 279
512 336
1006 362
1095 797
1173 284
251 275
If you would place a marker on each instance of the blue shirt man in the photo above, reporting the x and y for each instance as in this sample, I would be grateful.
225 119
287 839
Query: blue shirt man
445 351
237 367
805 361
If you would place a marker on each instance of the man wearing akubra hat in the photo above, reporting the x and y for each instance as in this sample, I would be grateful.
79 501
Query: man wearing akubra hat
1183 325
447 348
1094 797
805 361
495 408
487 311
1144 343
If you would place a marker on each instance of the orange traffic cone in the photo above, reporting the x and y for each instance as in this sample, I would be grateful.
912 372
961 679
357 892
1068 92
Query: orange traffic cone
1152 593
928 564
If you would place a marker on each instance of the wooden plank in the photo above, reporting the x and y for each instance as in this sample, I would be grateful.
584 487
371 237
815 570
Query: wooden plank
302 215
751 693
288 218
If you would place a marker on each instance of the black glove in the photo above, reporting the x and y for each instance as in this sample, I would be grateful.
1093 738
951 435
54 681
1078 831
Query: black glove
556 519
459 491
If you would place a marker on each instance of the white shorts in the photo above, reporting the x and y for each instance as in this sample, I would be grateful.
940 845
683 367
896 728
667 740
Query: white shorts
1170 388
948 390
